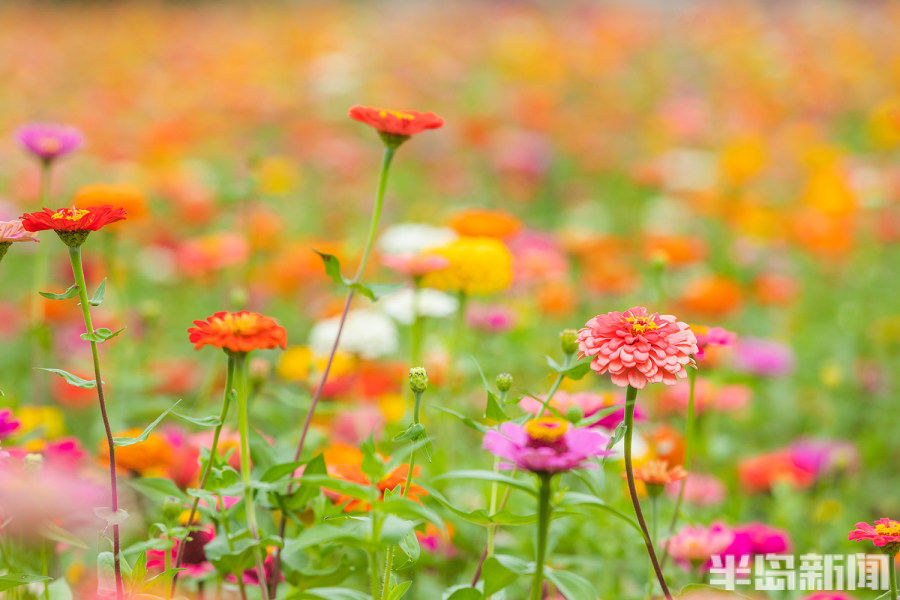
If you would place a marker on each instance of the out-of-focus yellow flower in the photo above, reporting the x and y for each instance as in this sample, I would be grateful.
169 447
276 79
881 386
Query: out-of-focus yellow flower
828 190
277 175
743 158
831 375
294 363
478 265
342 364
46 418
393 407
884 124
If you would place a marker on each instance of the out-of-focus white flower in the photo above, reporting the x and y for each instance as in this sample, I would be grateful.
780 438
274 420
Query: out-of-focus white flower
431 303
368 333
689 170
413 238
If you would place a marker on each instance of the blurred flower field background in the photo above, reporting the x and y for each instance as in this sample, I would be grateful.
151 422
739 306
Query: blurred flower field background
731 163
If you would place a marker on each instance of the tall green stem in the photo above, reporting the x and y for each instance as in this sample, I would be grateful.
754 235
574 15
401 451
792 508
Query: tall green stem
688 449
537 584
630 399
415 347
892 572
376 212
226 402
78 273
244 431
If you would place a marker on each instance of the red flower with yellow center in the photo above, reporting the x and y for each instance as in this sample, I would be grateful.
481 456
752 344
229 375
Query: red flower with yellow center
242 331
73 219
402 123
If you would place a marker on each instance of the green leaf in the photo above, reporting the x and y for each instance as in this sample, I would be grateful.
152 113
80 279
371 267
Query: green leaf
101 335
481 475
73 380
558 368
210 421
234 559
126 441
69 293
579 370
394 529
348 488
333 593
279 471
496 576
8 582
372 291
493 410
576 499
97 298
410 546
467 421
156 488
332 267
572 586
399 590
462 592
59 590
413 432
56 533
404 507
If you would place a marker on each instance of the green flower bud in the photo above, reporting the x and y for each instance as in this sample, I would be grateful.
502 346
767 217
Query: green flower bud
418 379
504 382
574 414
172 509
568 341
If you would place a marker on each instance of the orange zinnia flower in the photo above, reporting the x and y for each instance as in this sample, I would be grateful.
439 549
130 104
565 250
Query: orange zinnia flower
150 458
126 195
238 332
345 462
658 472
402 123
482 222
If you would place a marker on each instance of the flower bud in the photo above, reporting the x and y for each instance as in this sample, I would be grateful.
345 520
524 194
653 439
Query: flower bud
418 379
574 414
568 341
172 509
504 382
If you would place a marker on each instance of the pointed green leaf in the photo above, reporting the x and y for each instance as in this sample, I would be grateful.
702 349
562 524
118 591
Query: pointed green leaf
97 298
127 441
69 293
210 421
73 380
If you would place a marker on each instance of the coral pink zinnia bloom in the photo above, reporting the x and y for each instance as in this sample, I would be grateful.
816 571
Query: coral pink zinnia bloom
13 231
881 533
638 348
545 445
396 122
695 545
72 219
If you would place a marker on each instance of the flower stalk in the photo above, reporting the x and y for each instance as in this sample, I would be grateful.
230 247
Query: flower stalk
543 527
78 273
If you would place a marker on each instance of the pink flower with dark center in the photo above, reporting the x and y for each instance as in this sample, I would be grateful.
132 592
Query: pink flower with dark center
415 265
881 533
638 348
49 141
545 445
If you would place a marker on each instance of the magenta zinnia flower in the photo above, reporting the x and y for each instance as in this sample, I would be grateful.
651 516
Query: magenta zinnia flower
194 561
9 424
48 141
881 533
696 545
545 445
638 348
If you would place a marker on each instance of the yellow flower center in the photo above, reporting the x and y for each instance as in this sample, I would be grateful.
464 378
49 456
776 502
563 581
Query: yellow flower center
70 214
889 528
399 114
246 324
546 429
640 324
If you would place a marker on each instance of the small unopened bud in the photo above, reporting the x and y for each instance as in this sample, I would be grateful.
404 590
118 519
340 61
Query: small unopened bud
574 414
418 379
504 382
568 341
172 509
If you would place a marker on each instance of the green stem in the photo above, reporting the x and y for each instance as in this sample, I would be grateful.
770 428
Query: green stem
892 572
226 402
244 431
415 352
537 585
630 399
78 273
688 449
459 331
567 361
373 554
376 213
226 529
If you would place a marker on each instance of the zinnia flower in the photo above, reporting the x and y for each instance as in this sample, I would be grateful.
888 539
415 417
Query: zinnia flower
768 358
884 532
126 195
545 445
193 561
699 489
406 303
9 424
48 141
400 123
413 238
368 333
658 473
415 265
238 332
638 348
478 222
696 545
72 225
478 265
14 231
712 336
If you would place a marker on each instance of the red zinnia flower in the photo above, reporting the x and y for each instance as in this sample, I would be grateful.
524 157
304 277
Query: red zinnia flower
73 219
396 122
238 332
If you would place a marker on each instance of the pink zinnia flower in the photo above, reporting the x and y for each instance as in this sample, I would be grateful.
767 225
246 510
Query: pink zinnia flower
638 348
881 533
9 424
590 404
13 231
492 318
545 445
828 596
49 141
768 358
726 398
823 456
713 336
415 265
696 545
699 489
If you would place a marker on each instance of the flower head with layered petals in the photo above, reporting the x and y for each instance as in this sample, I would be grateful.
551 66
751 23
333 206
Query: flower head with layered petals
238 332
545 445
883 532
637 347
14 231
49 141
401 123
73 225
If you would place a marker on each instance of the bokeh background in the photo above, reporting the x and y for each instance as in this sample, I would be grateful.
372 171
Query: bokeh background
734 163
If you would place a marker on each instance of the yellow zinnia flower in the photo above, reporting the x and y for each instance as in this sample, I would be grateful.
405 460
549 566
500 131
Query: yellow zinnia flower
478 265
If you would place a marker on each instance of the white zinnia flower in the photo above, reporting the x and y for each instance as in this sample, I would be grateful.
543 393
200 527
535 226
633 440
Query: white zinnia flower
431 303
413 238
368 333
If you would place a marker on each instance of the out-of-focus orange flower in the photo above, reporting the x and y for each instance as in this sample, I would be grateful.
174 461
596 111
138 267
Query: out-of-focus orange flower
774 289
760 473
296 267
264 228
345 462
742 158
823 234
557 299
676 250
828 190
656 474
884 124
126 195
480 222
714 295
203 256
150 458
668 444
